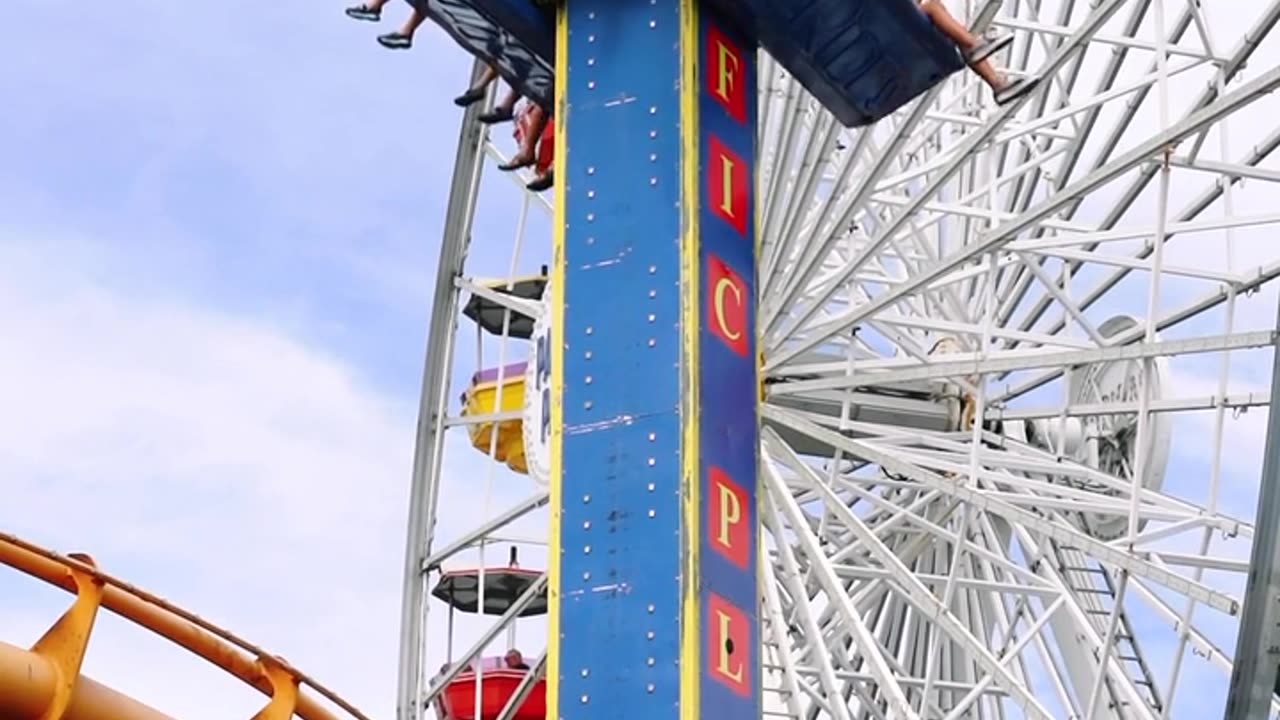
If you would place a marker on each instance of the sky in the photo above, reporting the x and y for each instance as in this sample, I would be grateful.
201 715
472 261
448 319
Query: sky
218 236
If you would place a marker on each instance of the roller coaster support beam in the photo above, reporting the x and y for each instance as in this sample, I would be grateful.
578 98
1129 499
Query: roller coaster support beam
654 423
44 683
66 641
30 685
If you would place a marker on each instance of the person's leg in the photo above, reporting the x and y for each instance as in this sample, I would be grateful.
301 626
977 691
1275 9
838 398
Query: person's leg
965 40
544 174
976 52
526 156
411 25
949 25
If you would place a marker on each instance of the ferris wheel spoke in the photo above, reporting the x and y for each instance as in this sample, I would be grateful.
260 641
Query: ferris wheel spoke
487 529
966 148
1087 636
1125 199
789 576
1245 94
994 560
837 210
1099 550
837 217
1123 347
1169 319
914 591
780 649
1107 78
801 183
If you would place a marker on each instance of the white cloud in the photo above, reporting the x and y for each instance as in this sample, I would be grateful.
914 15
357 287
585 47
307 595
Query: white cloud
216 461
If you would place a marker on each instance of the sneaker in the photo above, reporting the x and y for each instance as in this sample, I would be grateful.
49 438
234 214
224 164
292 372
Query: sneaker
395 41
364 12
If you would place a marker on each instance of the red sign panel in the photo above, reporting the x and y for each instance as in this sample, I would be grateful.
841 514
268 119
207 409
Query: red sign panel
726 74
727 305
728 645
729 184
729 518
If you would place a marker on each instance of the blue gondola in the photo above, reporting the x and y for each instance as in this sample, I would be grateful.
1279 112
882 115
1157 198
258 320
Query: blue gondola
862 59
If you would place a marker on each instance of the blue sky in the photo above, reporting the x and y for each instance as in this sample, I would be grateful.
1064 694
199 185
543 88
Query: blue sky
218 234
259 157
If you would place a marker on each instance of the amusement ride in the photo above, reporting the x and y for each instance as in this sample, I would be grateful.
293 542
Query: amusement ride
834 389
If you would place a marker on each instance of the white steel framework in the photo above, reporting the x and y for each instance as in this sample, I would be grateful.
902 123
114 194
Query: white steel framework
1005 349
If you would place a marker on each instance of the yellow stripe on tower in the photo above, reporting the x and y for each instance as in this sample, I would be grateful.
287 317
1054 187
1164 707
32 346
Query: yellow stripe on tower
556 355
690 246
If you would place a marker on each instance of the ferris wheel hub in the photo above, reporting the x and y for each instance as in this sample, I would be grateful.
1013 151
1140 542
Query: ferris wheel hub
1105 439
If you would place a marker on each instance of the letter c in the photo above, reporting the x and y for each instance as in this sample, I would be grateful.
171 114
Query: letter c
724 285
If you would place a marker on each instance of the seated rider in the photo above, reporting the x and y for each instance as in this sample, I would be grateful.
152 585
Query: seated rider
514 660
545 147
976 52
402 39
533 123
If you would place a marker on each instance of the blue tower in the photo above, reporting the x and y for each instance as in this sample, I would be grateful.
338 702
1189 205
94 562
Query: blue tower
654 588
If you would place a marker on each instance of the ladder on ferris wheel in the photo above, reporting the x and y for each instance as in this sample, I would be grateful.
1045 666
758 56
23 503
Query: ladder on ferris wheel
1096 589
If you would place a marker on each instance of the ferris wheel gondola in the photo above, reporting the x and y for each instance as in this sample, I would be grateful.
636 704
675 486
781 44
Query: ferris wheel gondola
487 688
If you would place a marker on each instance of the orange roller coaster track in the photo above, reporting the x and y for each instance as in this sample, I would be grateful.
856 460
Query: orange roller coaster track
44 682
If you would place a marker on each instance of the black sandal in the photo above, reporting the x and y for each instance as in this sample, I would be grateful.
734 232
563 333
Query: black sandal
395 41
516 163
469 98
497 115
364 12
542 182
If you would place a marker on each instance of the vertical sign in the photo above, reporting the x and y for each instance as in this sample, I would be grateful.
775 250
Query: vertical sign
652 576
727 384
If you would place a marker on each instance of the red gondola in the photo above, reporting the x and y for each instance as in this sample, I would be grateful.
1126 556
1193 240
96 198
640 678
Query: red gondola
503 586
498 685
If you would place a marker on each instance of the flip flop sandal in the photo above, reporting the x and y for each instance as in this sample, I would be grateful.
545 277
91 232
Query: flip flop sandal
395 41
515 164
496 115
987 49
540 183
364 12
469 98
1016 89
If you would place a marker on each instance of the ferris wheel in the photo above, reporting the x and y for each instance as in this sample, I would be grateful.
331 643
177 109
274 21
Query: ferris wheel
1005 352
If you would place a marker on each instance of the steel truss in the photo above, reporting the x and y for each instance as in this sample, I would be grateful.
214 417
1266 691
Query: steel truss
963 520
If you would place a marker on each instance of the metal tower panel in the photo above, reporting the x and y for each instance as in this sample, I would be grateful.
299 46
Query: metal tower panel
654 371
1254 675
